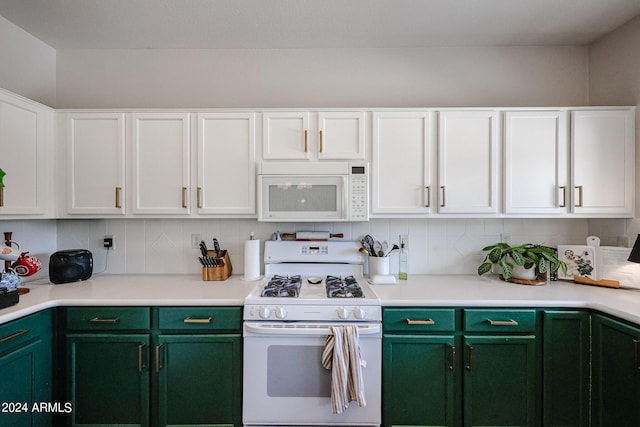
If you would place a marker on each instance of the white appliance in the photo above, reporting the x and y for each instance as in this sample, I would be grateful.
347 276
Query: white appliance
313 191
285 331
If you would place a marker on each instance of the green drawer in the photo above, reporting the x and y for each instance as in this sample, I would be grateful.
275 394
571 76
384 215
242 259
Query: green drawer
496 320
20 331
228 319
108 318
418 319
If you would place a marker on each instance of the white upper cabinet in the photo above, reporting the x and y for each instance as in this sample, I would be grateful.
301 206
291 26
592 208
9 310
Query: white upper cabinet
402 162
96 163
467 162
301 135
603 163
341 135
23 157
226 163
536 162
160 163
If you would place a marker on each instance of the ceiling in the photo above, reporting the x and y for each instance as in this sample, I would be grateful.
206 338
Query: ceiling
264 24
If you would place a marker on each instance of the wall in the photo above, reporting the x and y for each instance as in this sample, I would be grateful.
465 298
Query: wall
28 66
491 76
614 79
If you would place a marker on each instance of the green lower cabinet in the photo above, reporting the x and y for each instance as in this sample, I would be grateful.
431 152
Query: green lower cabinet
566 373
499 383
616 373
26 372
199 380
418 380
108 379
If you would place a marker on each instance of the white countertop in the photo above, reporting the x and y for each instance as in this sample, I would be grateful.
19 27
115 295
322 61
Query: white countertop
419 290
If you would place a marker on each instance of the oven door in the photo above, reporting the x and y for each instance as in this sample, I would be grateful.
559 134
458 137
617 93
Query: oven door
286 384
302 198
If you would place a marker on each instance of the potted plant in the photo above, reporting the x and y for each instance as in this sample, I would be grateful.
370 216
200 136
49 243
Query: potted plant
515 260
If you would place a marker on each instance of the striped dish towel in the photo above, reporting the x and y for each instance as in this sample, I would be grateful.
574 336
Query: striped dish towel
342 355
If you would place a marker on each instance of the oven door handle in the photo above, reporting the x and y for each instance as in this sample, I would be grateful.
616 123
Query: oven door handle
293 329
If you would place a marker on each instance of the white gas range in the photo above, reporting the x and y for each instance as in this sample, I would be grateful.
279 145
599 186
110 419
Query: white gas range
309 287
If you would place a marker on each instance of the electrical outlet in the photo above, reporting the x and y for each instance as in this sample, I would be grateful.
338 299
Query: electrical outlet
108 242
195 240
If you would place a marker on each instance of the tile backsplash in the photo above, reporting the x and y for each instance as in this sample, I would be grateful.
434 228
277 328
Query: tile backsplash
164 246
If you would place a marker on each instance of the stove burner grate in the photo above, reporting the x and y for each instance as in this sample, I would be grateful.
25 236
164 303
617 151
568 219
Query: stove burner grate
338 287
282 286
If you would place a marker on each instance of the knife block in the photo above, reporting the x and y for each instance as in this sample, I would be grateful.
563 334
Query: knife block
221 272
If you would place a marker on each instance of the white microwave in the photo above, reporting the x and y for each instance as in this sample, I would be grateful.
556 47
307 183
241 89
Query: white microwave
313 191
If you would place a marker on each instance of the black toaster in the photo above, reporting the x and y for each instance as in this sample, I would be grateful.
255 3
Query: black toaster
70 265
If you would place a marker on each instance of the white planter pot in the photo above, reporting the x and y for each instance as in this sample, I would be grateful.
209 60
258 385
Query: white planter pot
520 272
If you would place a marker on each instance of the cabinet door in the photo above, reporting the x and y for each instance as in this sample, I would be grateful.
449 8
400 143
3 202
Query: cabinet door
467 162
566 368
402 183
199 380
603 162
616 373
536 162
22 156
418 380
96 168
500 381
341 135
160 144
108 379
226 163
285 135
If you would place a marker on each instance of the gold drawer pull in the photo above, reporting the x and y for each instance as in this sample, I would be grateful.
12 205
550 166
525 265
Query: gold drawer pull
421 322
509 322
13 336
118 190
306 145
196 320
184 197
141 365
100 320
158 362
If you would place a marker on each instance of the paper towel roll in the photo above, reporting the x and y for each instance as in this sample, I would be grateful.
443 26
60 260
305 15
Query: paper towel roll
252 260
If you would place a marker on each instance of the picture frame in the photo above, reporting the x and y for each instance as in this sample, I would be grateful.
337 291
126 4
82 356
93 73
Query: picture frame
580 261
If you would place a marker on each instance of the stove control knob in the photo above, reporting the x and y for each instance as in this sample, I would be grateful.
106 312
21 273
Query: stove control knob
264 312
281 313
359 313
343 313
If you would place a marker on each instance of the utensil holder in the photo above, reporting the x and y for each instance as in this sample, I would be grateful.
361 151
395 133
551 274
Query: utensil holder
222 271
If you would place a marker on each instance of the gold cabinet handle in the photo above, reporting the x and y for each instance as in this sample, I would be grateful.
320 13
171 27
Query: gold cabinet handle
509 322
184 197
118 190
579 204
158 363
198 320
321 142
636 353
306 145
469 358
427 196
442 189
199 197
1 196
14 336
564 196
101 320
141 365
452 358
421 322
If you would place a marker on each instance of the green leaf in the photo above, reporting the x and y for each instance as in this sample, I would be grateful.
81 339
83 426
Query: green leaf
542 265
518 258
484 268
507 269
532 256
495 255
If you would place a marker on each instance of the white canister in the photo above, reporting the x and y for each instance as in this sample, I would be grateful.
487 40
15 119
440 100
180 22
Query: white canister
378 265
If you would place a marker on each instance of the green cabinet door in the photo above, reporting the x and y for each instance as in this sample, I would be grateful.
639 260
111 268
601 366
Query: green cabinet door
26 372
418 380
199 380
566 372
616 373
108 379
500 381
